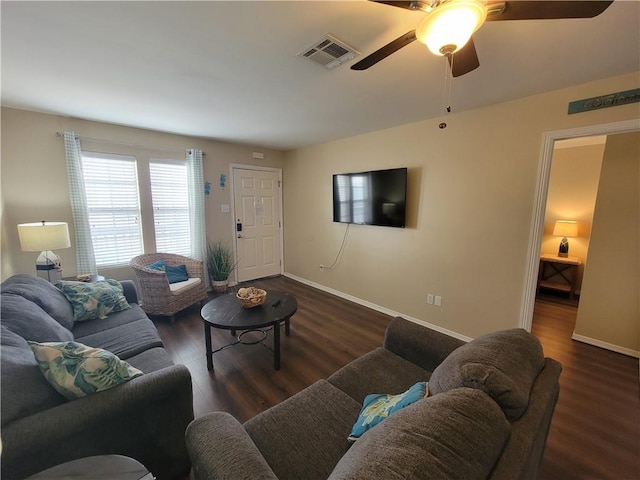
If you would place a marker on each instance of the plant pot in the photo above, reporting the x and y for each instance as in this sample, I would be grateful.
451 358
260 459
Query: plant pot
219 286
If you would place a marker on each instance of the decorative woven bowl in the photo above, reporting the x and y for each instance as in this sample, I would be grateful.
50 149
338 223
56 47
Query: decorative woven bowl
251 297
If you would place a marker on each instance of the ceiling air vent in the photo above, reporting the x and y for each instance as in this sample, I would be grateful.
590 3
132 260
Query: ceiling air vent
329 52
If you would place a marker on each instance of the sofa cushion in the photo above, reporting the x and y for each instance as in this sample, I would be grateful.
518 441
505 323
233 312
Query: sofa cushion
375 372
31 322
76 370
44 294
378 406
179 288
151 360
458 434
24 389
311 429
126 340
503 364
95 299
113 320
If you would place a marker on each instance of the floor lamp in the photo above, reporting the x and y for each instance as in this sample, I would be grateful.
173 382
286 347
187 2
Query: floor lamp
44 237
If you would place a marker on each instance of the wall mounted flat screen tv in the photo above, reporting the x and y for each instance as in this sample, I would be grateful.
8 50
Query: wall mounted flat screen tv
377 197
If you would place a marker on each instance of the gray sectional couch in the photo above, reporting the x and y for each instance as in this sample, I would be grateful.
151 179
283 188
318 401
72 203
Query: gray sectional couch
487 416
144 418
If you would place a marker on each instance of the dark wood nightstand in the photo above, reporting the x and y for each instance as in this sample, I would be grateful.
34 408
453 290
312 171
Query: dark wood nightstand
558 273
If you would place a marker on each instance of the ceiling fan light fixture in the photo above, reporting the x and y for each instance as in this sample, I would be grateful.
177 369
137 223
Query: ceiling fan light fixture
449 26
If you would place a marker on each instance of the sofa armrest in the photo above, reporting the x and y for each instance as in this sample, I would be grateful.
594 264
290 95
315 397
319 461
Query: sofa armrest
129 290
523 453
420 345
144 418
220 447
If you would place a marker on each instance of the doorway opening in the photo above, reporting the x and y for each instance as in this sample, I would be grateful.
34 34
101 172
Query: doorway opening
540 201
571 200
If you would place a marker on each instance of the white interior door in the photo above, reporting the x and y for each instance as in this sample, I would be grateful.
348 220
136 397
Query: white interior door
257 207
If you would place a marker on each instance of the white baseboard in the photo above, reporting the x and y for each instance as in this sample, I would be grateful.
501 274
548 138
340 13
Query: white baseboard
607 346
377 308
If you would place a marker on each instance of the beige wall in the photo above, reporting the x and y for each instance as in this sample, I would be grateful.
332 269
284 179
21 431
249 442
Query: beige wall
471 195
470 205
573 185
34 177
609 311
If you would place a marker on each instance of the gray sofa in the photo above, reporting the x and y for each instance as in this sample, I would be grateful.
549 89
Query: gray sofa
486 417
144 418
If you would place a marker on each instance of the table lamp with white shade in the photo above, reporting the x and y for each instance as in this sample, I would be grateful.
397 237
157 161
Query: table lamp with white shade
44 237
565 229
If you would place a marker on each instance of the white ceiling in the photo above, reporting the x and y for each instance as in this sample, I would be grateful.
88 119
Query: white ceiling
229 70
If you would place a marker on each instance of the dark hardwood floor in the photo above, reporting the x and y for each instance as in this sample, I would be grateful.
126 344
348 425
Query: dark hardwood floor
595 432
327 332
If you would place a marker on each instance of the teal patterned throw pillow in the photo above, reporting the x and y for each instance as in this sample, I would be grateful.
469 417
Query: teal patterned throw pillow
377 407
159 265
92 300
76 370
174 273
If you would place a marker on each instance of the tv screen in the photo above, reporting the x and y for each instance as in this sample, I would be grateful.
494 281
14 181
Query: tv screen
371 198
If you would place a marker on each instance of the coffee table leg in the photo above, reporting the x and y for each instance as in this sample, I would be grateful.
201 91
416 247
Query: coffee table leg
207 342
276 346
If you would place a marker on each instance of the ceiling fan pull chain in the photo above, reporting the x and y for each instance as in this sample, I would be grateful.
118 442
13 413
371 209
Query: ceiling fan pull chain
449 79
446 93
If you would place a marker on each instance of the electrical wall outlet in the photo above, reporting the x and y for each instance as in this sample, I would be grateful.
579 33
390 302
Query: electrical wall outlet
437 301
430 298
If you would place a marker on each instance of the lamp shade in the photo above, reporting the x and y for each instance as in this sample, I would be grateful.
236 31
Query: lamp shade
42 236
449 26
565 228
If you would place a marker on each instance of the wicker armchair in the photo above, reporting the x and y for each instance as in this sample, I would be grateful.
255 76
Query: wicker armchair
158 297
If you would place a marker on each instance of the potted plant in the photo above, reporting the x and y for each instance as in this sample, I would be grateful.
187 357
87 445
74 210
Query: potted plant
220 264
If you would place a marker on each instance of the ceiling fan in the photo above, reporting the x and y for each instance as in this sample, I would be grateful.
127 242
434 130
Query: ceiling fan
447 25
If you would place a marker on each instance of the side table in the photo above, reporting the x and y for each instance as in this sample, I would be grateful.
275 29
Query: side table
101 467
92 279
558 273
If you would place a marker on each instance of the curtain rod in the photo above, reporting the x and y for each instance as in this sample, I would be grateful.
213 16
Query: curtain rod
102 140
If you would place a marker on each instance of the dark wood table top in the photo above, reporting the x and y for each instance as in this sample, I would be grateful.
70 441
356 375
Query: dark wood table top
227 312
96 468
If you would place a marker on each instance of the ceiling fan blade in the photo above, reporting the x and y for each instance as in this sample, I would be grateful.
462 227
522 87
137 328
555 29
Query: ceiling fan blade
537 10
385 51
465 60
409 5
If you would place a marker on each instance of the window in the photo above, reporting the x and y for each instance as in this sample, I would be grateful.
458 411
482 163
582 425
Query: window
170 194
113 206
353 197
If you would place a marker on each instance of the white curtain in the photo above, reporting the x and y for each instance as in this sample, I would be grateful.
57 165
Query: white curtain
85 259
196 204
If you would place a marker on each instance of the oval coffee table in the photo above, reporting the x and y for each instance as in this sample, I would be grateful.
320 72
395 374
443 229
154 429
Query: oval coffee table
227 313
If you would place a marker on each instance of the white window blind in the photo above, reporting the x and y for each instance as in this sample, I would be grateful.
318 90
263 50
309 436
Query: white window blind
111 186
170 194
